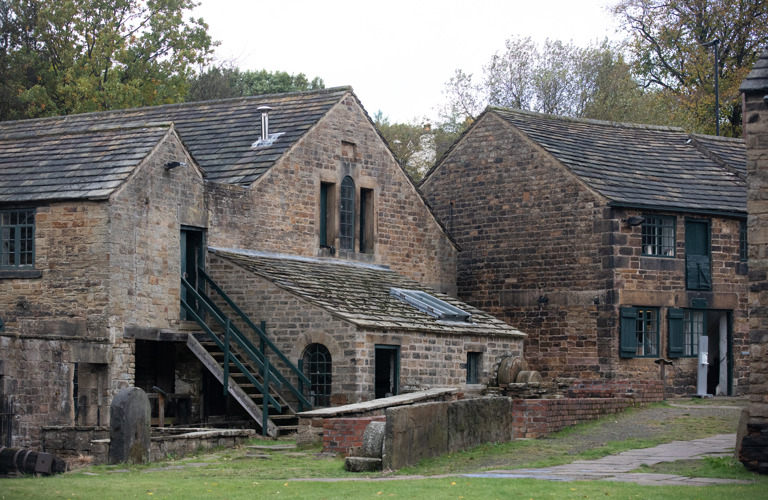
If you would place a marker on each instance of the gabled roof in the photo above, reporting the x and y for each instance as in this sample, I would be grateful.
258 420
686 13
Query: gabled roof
64 165
728 152
639 165
757 79
218 134
360 293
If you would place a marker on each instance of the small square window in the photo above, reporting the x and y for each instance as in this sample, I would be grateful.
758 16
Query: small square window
474 362
658 236
17 239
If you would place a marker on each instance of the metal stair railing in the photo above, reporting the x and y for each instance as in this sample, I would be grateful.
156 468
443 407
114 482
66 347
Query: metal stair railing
231 335
265 343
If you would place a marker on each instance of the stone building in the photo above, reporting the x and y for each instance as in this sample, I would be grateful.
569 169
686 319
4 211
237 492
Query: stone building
103 214
612 245
754 446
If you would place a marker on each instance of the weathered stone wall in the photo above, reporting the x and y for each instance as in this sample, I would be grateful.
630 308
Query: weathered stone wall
550 257
431 429
281 211
426 359
660 282
754 448
104 265
528 231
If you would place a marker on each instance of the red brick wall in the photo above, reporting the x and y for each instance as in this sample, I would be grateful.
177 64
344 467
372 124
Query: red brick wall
588 400
340 435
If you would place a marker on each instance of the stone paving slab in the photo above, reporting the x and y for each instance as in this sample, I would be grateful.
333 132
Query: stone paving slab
617 467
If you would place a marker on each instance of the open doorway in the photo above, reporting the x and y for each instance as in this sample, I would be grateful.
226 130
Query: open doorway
387 367
719 371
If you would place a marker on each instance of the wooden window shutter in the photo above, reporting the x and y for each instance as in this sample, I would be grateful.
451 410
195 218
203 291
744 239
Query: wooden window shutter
676 337
628 332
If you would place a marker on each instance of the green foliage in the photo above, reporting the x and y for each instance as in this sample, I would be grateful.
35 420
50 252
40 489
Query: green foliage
558 78
667 40
418 144
224 81
74 56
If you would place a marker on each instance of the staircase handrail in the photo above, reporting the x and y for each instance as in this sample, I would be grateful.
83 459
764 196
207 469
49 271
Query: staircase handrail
228 356
242 341
263 337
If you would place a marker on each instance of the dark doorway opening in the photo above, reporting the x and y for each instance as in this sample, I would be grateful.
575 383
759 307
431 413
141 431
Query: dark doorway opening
192 258
387 368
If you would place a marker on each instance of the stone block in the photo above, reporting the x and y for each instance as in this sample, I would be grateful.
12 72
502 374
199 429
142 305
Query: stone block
129 432
362 464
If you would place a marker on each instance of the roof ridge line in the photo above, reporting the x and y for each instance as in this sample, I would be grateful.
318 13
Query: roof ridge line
345 88
591 121
86 130
718 138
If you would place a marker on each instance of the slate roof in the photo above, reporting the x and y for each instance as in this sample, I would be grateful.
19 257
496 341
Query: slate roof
218 134
360 293
730 153
636 165
757 79
63 165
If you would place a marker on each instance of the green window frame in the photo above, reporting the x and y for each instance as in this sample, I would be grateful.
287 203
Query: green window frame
686 327
347 214
474 362
17 239
658 236
639 332
743 241
318 368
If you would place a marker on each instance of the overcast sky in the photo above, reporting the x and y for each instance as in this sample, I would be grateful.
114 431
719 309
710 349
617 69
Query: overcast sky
396 54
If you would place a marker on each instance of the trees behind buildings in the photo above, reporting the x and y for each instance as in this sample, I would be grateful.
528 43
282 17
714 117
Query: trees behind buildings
667 45
667 77
74 56
224 80
556 78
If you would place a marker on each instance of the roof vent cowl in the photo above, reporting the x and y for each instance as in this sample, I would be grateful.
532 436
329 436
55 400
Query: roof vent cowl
266 138
264 121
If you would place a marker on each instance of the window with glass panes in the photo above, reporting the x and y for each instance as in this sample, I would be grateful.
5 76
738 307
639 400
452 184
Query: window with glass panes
317 368
743 242
347 214
658 236
693 329
647 332
17 238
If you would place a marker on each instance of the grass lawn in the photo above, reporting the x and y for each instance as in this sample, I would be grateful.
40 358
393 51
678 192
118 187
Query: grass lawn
250 473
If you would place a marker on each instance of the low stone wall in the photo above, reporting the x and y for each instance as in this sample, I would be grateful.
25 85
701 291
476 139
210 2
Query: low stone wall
69 443
587 400
178 445
344 435
431 429
312 423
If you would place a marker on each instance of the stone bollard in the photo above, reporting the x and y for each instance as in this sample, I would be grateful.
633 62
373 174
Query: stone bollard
129 429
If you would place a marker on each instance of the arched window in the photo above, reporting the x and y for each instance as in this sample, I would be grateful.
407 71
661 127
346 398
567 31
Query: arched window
317 368
347 215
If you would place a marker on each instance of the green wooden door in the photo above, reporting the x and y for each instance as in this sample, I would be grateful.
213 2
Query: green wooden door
698 268
192 258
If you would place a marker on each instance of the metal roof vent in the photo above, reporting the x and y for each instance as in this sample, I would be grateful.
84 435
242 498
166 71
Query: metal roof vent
266 138
433 306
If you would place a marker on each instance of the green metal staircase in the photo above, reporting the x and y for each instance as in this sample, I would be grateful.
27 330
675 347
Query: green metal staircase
250 373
